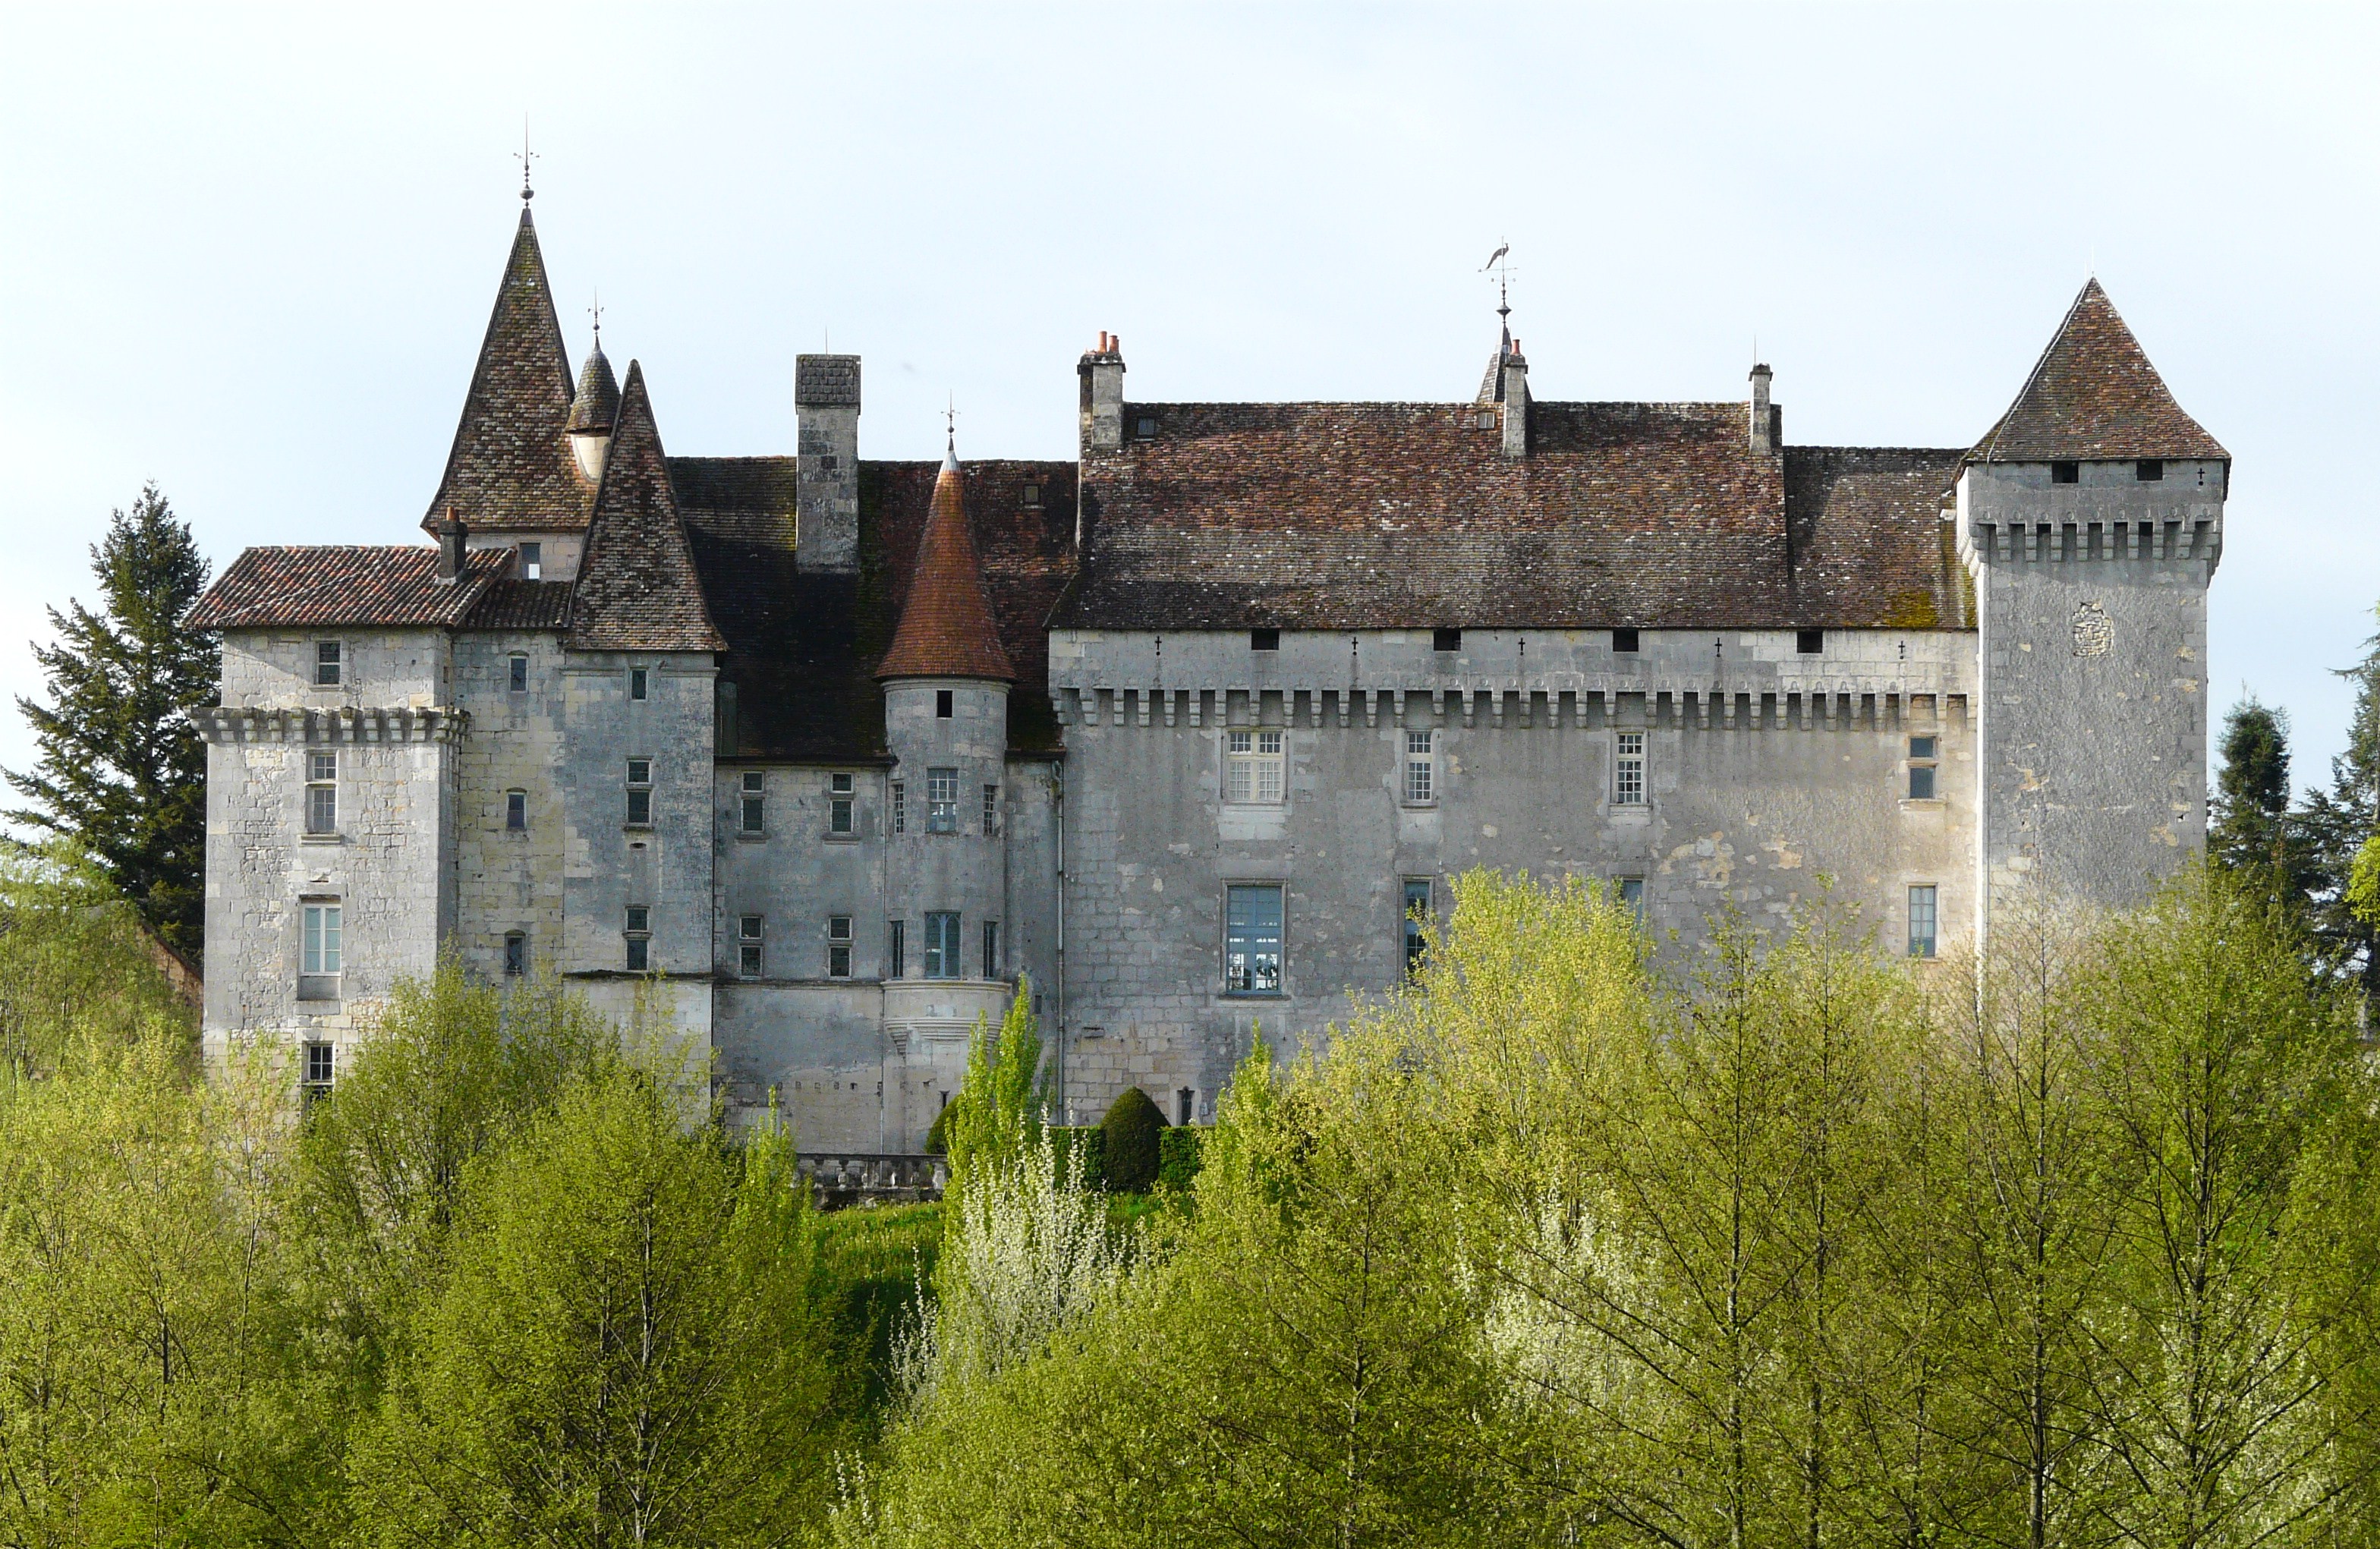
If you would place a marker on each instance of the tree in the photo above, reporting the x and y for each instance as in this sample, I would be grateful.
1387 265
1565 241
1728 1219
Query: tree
120 771
2254 830
2339 822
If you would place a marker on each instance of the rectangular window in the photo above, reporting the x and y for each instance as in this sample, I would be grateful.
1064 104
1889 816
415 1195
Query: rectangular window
896 949
838 946
319 1071
838 804
941 801
900 807
1810 642
640 793
516 811
637 681
516 953
749 939
322 947
1446 640
1921 921
1264 639
532 562
1632 895
1921 768
943 945
1252 939
1253 766
1628 768
516 672
1185 1103
327 664
639 938
992 948
990 810
1421 768
322 793
1030 496
1417 913
753 795
2149 471
1623 641
942 706
2065 473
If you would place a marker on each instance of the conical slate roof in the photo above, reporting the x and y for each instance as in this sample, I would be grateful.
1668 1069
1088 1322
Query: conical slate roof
946 629
636 589
2095 396
597 406
511 467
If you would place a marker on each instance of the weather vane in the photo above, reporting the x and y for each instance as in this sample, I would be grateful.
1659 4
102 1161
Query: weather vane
1496 261
596 311
951 415
526 156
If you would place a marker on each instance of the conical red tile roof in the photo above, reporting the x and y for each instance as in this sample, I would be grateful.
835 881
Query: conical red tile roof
2095 396
946 629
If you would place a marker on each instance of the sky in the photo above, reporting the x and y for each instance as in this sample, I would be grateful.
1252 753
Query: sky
249 254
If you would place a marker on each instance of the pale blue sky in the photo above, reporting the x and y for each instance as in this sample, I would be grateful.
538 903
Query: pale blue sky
250 253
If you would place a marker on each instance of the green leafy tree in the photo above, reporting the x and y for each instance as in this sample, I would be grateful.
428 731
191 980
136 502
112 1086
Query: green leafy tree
2254 830
2338 823
120 770
78 974
997 1116
624 1349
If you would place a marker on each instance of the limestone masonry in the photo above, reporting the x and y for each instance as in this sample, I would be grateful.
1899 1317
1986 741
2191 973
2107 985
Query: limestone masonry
810 758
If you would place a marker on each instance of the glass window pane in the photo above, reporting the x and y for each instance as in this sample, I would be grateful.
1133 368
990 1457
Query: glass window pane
1921 782
1922 921
1252 941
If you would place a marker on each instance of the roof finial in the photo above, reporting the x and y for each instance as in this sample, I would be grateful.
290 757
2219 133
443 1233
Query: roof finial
596 311
950 445
1496 261
526 156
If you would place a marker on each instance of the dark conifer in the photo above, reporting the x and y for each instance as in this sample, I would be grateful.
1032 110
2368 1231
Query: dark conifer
2337 822
120 770
2253 832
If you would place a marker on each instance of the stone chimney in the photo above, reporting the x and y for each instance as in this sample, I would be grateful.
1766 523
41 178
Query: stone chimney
826 477
1101 370
1764 416
1515 370
452 537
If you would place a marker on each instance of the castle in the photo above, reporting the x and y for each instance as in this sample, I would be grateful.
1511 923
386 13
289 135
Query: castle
814 755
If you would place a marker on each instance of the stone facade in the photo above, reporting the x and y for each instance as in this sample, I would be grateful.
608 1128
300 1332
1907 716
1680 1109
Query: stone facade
810 761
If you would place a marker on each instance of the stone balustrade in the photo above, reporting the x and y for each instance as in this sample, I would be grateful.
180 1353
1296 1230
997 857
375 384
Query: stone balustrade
843 1179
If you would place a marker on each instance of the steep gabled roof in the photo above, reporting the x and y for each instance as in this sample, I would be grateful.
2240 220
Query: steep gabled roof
325 584
946 629
511 467
2094 396
637 589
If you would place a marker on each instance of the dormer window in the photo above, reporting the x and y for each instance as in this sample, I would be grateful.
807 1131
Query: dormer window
1146 428
1031 495
532 562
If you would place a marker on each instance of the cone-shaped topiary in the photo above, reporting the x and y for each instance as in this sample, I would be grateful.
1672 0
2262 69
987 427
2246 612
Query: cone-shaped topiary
1129 1144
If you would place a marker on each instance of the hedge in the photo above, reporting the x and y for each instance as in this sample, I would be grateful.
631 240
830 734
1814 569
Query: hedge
1179 1157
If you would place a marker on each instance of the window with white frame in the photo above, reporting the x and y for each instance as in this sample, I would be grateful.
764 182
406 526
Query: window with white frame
516 672
639 680
991 811
1923 765
320 1071
532 562
896 949
1253 766
323 950
942 960
517 812
992 948
329 664
754 791
1252 938
900 807
840 800
941 801
638 938
516 953
1421 768
838 946
751 932
1923 920
322 791
1628 768
640 793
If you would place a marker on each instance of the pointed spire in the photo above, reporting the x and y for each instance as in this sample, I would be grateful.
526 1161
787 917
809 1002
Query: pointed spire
637 589
597 406
946 629
510 468
2095 396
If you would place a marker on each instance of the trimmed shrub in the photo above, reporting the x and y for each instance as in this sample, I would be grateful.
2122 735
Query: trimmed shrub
1179 1157
1130 1133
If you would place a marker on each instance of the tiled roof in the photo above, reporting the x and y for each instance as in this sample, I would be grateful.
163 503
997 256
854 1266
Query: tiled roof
396 586
515 604
597 403
946 629
801 648
1869 544
2095 396
1409 516
511 467
636 587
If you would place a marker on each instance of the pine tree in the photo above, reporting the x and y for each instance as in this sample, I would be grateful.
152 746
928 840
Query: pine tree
2337 822
120 771
2254 830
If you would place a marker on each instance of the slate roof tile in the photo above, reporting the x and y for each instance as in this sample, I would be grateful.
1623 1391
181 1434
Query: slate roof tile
638 589
511 603
2094 396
